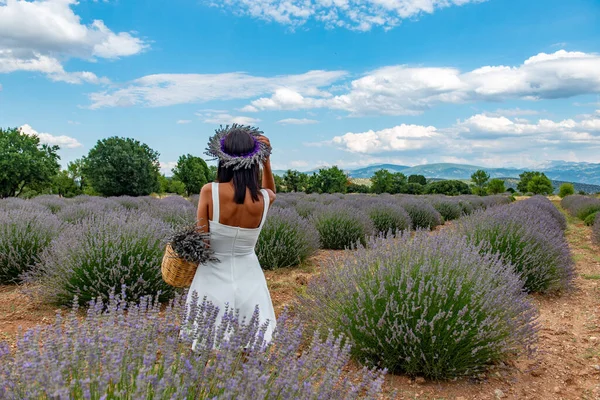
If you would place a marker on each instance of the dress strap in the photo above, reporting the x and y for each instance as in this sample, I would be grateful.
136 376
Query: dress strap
266 201
215 199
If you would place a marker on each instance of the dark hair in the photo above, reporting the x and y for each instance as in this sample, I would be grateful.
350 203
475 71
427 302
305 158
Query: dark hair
238 143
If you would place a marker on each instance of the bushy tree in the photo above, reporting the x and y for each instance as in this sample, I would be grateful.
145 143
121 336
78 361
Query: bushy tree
480 178
192 171
122 166
357 188
171 185
526 177
496 186
64 185
279 184
448 187
331 180
420 179
295 181
75 170
540 184
25 162
382 181
212 173
566 189
413 188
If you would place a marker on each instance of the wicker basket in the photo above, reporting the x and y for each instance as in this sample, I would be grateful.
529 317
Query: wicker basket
177 271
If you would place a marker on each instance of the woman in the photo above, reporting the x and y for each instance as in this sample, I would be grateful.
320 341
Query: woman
236 209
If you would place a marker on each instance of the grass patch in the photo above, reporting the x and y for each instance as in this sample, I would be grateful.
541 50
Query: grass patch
591 276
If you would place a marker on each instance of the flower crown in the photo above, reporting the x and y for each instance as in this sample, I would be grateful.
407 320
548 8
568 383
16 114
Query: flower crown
216 148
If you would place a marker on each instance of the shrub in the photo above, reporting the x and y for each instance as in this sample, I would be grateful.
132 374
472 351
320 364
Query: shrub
52 203
422 214
566 189
24 234
174 210
79 211
581 206
388 217
286 239
137 355
341 227
448 208
540 205
427 306
306 208
528 239
589 221
101 253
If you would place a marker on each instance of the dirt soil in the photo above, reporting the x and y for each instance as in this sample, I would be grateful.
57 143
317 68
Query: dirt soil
567 365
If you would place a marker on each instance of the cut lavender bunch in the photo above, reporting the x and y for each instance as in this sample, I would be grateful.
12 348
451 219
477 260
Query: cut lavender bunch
192 245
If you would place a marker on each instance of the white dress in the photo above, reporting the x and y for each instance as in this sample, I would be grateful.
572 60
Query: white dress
237 279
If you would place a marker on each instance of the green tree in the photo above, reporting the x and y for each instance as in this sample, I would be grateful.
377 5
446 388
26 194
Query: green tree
414 188
480 179
382 181
64 185
526 177
122 166
295 181
399 182
25 162
192 172
447 187
279 184
313 184
357 188
496 186
540 184
75 170
212 173
420 179
333 180
566 189
171 185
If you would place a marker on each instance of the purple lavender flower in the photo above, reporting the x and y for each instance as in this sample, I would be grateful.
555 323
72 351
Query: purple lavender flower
581 206
286 239
24 234
341 227
430 306
137 350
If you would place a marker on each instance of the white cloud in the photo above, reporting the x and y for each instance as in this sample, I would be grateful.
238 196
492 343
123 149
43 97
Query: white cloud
46 138
406 90
39 35
227 119
298 164
170 89
297 121
399 138
184 121
480 139
359 15
73 122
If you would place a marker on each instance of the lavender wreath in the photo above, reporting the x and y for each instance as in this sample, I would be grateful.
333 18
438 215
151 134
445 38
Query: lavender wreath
216 145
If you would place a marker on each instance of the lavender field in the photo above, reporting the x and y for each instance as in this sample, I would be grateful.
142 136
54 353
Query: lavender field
428 286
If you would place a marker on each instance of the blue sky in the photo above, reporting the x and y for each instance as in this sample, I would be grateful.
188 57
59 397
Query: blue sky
331 82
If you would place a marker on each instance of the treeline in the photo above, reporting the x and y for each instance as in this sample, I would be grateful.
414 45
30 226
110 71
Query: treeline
118 166
113 167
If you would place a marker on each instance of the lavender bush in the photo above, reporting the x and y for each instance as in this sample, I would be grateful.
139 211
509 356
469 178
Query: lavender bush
135 351
100 253
590 219
340 226
528 238
422 214
174 210
448 208
388 217
24 234
307 208
581 206
53 203
78 211
286 239
431 306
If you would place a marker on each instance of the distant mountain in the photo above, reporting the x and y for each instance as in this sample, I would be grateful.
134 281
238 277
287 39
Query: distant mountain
367 172
585 173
